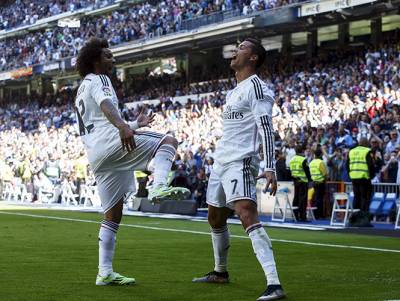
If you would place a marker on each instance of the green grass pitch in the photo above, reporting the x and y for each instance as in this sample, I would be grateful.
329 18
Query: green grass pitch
47 259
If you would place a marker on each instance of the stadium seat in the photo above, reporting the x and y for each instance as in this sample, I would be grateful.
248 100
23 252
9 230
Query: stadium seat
45 196
67 195
375 207
89 196
283 209
397 223
8 191
342 206
310 213
24 195
389 205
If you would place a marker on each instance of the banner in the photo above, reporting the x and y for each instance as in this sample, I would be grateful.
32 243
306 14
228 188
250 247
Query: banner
21 72
71 23
69 63
52 66
5 76
37 69
327 6
73 62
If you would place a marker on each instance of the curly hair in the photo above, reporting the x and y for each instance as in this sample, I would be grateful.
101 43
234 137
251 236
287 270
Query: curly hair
89 54
259 50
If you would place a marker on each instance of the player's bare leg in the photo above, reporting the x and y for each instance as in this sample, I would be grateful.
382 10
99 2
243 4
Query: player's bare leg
163 160
247 212
217 218
107 240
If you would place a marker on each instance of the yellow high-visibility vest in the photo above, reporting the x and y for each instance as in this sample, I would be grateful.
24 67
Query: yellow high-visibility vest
316 174
296 168
358 163
140 174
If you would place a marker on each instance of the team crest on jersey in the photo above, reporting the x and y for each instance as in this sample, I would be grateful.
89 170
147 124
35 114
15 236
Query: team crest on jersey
107 91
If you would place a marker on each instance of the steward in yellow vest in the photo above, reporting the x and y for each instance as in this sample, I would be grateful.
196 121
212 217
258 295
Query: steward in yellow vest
361 169
296 168
358 165
319 175
301 176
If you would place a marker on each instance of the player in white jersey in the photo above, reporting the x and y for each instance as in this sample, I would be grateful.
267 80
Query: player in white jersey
115 150
231 187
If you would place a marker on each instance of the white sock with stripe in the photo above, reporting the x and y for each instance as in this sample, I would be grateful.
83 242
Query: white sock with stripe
162 164
263 249
107 238
220 241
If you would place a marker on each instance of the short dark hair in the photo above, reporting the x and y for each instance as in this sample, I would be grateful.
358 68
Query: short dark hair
299 148
89 54
259 50
318 152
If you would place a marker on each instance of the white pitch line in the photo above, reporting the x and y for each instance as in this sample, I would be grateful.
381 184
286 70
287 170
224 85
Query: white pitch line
205 233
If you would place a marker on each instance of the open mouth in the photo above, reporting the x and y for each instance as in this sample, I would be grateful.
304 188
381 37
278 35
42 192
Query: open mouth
234 56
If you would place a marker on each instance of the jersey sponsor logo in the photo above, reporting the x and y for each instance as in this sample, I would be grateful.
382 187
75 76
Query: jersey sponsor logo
230 114
107 91
81 90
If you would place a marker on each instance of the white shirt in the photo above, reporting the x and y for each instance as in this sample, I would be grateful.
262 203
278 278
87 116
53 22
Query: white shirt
247 117
100 136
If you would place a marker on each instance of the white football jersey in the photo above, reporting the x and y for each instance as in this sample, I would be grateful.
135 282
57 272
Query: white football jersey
100 136
247 117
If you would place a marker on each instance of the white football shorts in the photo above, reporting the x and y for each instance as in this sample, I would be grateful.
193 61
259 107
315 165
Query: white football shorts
232 182
115 176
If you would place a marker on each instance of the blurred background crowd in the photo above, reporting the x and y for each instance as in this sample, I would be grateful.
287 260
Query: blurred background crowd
332 104
141 20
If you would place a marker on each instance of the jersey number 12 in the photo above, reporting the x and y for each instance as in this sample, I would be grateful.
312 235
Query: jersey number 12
83 130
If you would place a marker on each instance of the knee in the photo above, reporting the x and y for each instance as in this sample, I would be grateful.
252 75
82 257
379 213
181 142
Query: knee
171 141
247 213
115 213
216 221
115 218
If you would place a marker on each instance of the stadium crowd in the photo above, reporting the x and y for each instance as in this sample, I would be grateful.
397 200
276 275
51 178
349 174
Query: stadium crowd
144 20
331 104
23 12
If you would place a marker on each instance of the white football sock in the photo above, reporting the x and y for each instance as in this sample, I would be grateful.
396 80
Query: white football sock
162 164
263 249
220 241
107 238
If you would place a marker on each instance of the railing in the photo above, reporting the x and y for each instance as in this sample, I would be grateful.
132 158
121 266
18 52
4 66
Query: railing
17 191
377 187
217 17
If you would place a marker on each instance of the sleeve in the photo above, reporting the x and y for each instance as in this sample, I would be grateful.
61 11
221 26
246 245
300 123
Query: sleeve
261 101
323 169
101 88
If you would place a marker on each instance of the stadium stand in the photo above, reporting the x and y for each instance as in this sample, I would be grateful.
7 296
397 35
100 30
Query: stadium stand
362 109
331 99
129 23
22 12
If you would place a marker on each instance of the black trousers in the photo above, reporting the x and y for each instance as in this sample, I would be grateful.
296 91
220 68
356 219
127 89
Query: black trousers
319 193
300 200
362 194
